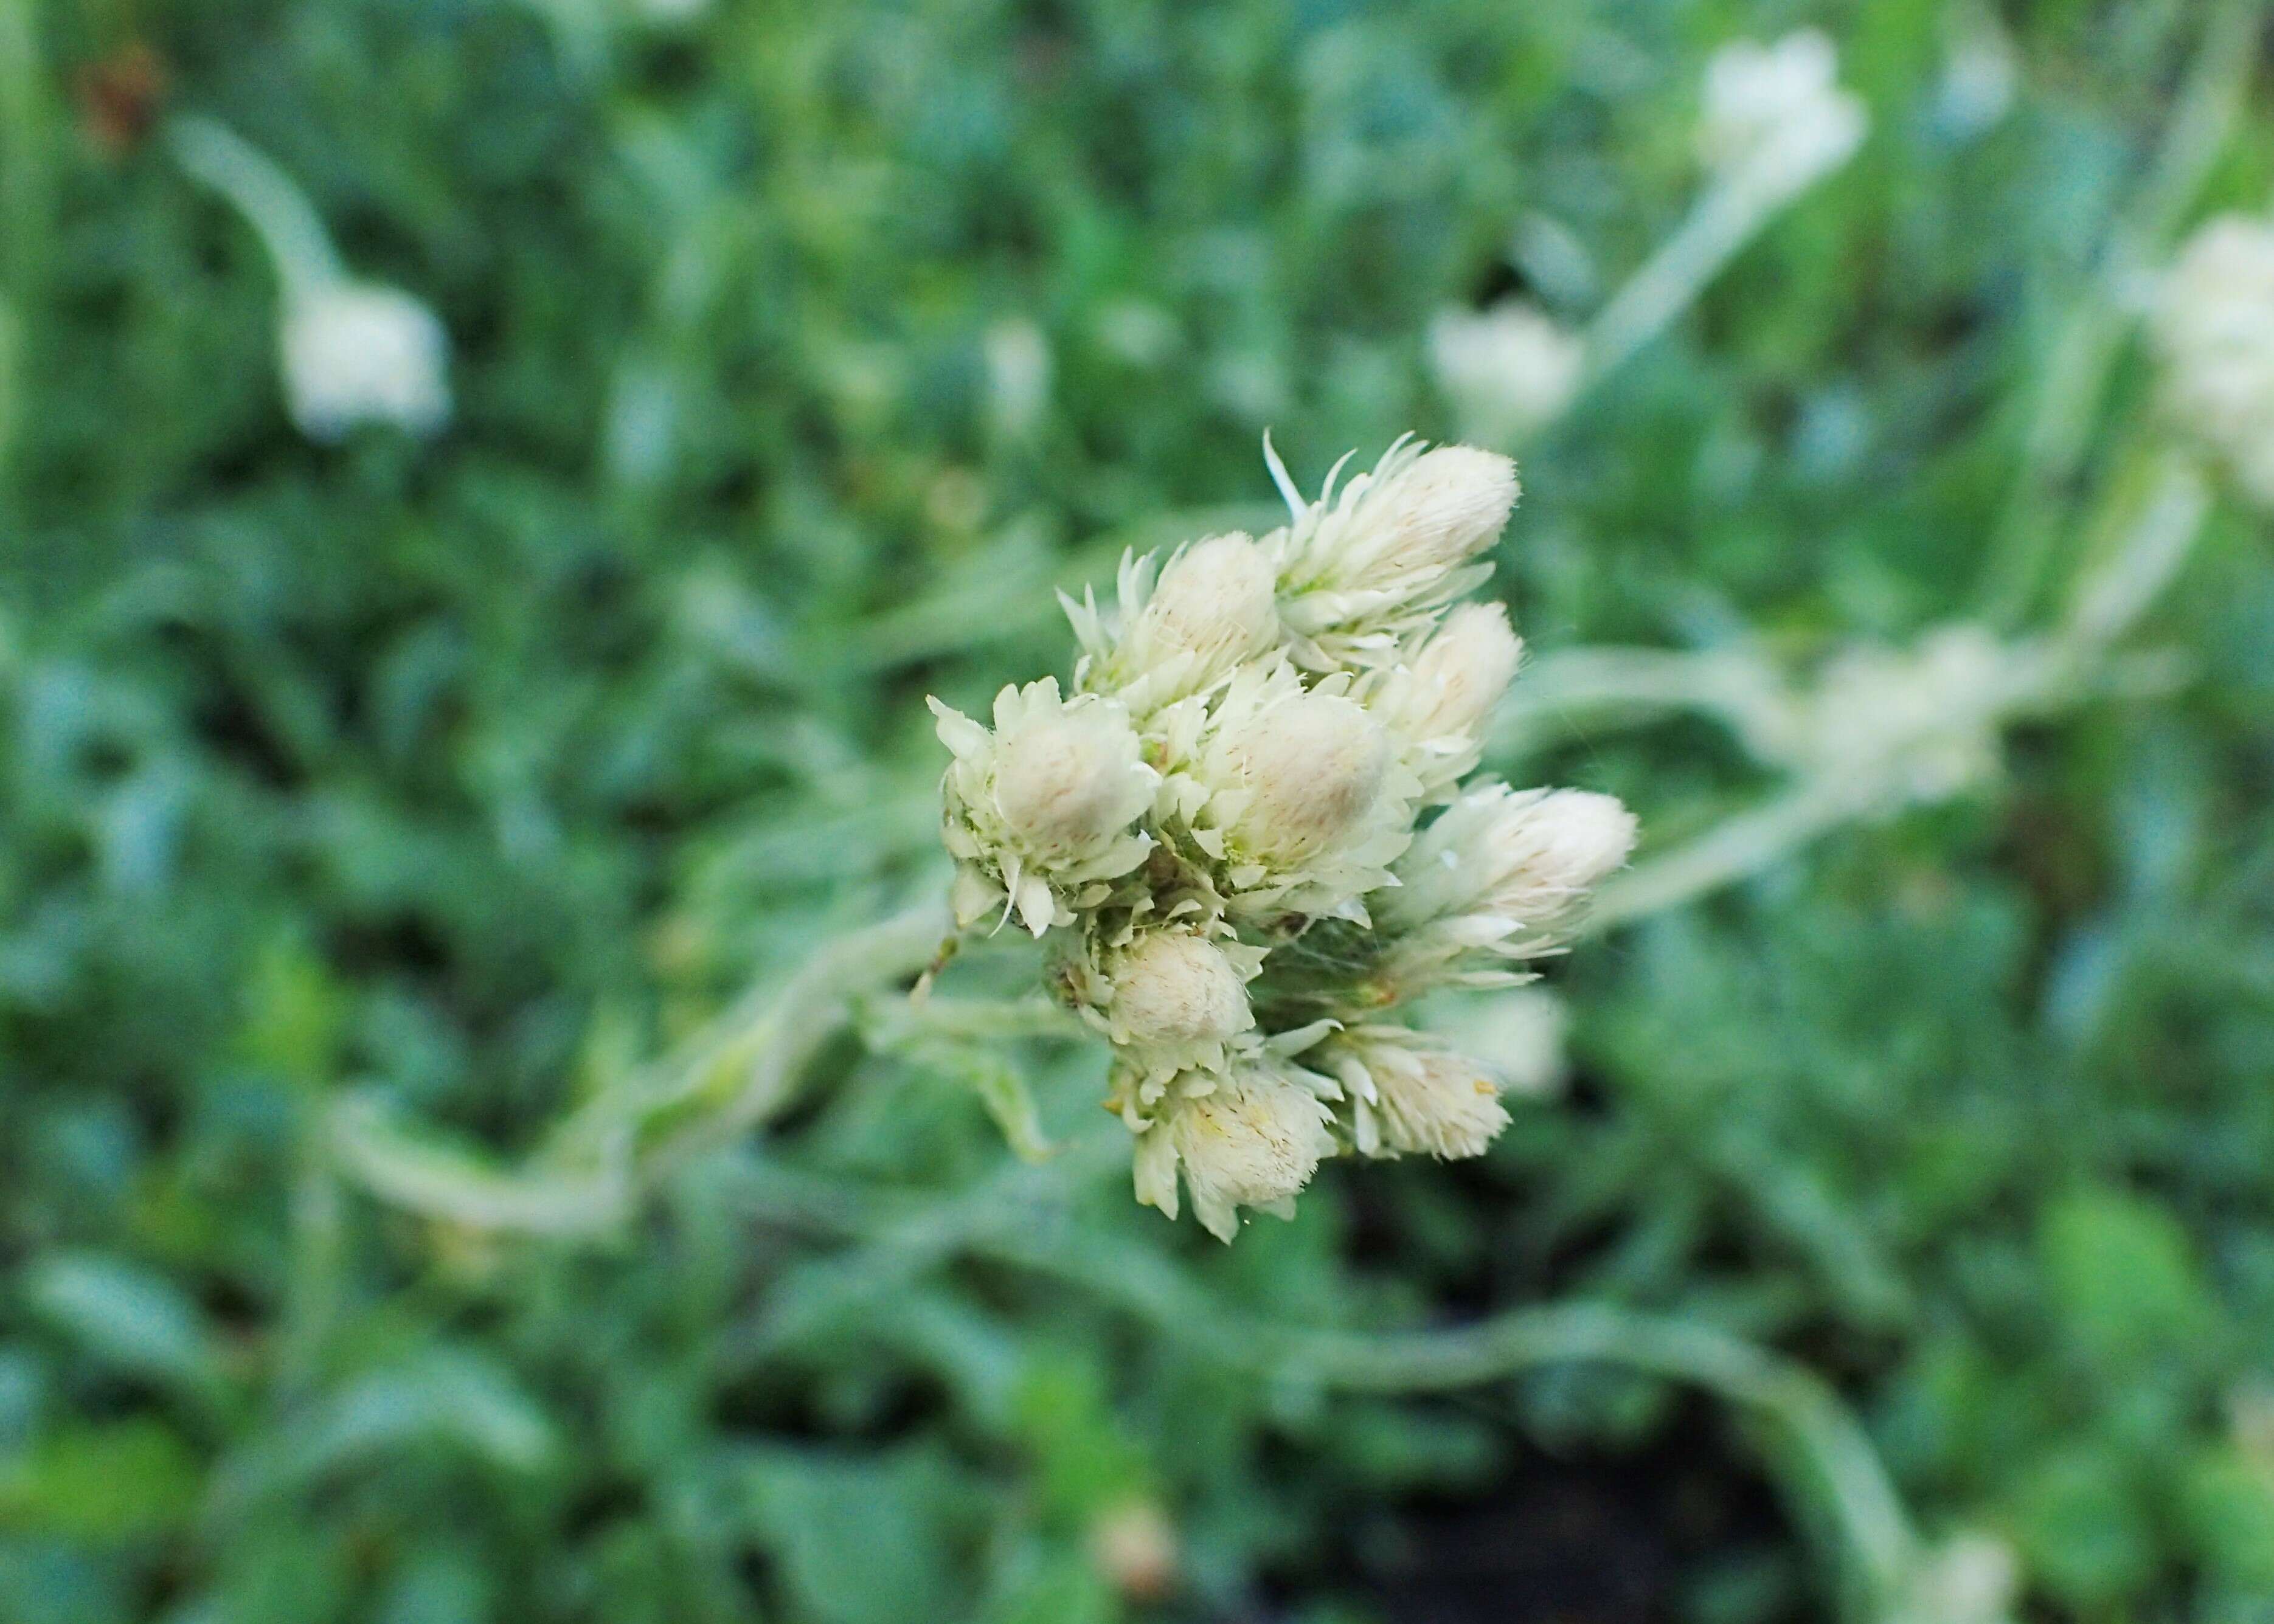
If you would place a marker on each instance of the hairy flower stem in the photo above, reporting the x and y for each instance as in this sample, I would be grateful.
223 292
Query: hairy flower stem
740 1069
298 246
1726 217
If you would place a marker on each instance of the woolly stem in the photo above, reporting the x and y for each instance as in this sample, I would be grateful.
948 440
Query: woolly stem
1728 215
737 1071
277 210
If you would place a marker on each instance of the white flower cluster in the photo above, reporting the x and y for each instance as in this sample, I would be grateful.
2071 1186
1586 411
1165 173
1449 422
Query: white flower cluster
1247 836
2214 326
1897 724
1775 119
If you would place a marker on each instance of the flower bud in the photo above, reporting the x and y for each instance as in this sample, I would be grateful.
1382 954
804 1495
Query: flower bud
1564 846
1445 506
1530 858
1038 812
1446 1106
1410 1095
1214 600
1316 765
1255 1139
1174 987
1062 784
359 352
1462 671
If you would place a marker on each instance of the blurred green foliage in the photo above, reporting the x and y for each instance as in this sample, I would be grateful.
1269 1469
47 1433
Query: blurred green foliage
472 772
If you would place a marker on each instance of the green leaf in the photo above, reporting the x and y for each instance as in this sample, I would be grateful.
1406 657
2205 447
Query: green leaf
2228 1503
118 1481
2084 1528
860 1540
126 1317
2123 1277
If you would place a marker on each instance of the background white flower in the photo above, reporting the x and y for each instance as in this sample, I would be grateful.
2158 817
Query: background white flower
1507 372
2214 329
361 352
1774 118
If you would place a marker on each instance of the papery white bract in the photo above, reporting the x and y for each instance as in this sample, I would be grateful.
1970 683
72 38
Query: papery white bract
1501 876
1360 570
1211 608
1409 1094
1248 1137
1039 812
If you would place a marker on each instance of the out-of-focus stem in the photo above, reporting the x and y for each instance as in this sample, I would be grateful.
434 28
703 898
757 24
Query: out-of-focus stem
1728 215
2070 392
738 1071
288 225
2113 594
1836 1467
1742 846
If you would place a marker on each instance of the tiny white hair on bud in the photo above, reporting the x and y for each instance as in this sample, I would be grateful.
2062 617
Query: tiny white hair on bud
2213 325
1214 600
1212 608
1526 861
1508 372
1175 987
361 352
1044 806
1313 768
1444 506
1360 571
1774 118
1056 784
1461 672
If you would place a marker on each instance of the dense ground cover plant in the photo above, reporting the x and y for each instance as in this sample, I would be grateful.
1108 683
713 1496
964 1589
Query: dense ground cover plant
441 818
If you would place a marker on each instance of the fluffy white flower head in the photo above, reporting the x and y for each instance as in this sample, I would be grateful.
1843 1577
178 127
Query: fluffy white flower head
1439 702
1360 571
1411 1096
1177 987
2214 330
1297 795
1914 723
1212 608
1502 874
1172 1000
1774 116
361 352
1039 812
1508 372
1249 1138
